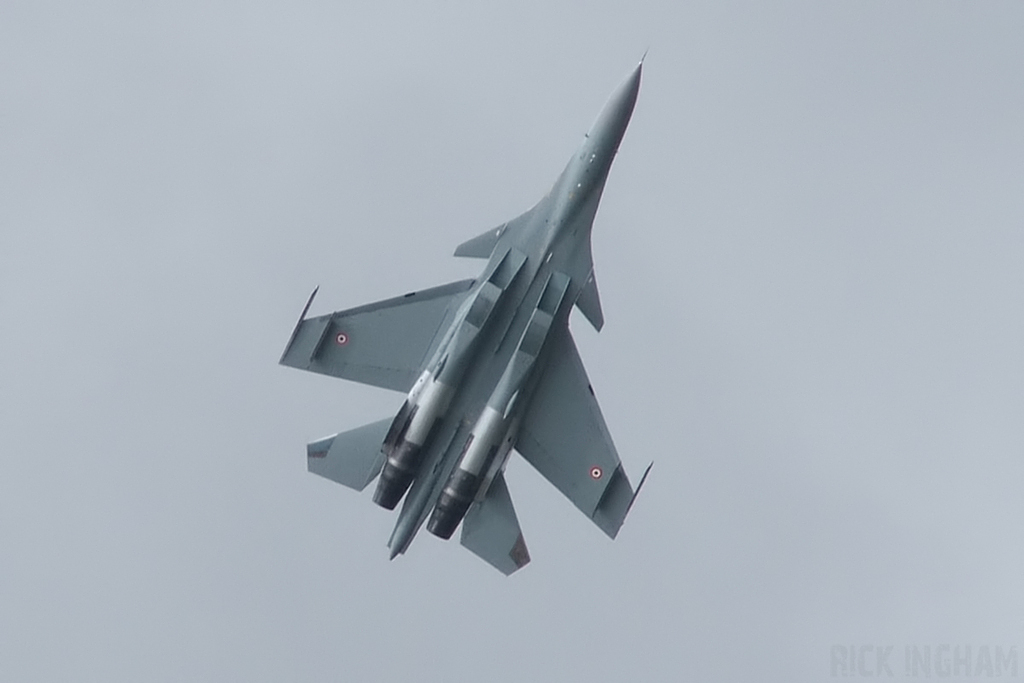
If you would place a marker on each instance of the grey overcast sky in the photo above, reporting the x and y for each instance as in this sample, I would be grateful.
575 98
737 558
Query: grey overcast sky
810 255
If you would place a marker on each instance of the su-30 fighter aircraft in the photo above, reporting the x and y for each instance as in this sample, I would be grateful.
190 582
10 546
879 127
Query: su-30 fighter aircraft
489 366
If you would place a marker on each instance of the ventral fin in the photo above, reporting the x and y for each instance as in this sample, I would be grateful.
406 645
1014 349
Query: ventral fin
482 245
589 302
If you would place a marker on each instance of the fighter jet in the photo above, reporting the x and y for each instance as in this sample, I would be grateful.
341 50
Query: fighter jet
488 366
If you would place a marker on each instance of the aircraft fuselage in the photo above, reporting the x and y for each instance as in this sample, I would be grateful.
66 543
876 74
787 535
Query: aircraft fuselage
459 422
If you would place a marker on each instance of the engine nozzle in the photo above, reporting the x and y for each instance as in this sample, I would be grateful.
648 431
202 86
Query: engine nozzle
397 475
454 503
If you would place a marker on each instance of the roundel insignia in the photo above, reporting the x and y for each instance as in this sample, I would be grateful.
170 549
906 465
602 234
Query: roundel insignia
341 339
596 472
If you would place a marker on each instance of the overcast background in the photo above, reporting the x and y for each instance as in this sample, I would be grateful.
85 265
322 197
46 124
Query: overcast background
809 253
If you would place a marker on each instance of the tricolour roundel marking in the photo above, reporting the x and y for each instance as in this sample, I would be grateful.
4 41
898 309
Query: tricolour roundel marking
596 472
341 339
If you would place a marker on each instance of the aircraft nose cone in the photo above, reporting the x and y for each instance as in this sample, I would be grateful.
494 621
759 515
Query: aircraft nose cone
613 119
628 91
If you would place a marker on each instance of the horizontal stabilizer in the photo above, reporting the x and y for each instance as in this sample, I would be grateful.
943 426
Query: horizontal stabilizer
491 530
352 458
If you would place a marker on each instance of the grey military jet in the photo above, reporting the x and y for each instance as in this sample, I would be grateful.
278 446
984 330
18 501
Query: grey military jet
488 365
